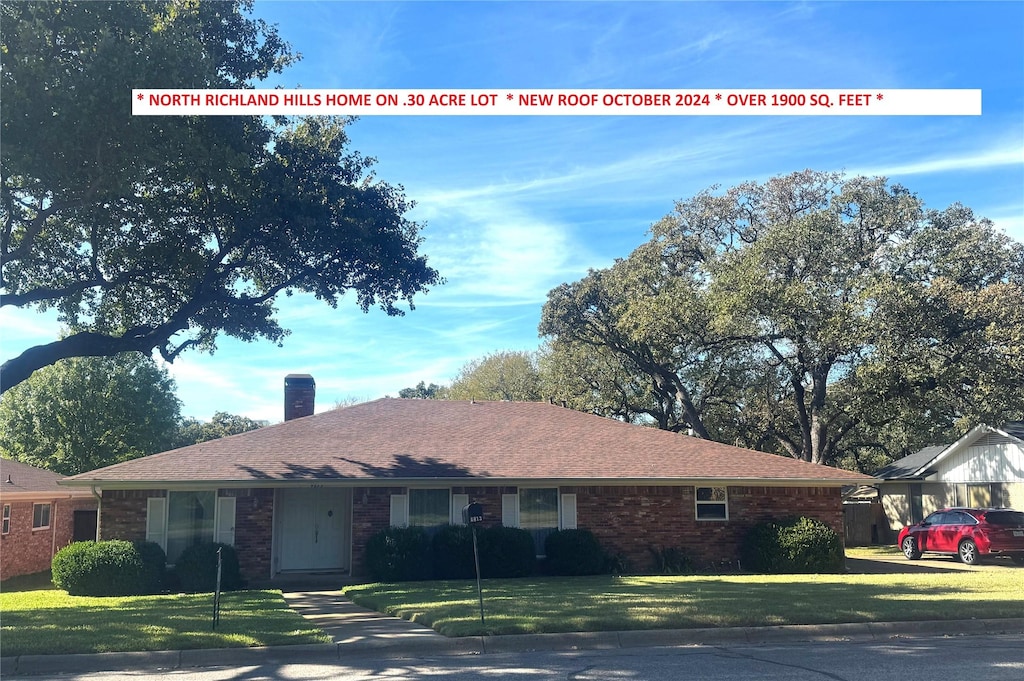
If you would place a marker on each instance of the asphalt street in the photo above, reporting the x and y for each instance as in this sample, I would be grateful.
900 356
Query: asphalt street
979 658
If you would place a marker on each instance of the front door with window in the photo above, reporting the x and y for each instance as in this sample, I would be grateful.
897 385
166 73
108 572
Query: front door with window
313 529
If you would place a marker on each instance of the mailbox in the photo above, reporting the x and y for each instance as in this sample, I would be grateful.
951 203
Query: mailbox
472 514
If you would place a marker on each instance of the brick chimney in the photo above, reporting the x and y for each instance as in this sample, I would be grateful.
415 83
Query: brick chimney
299 396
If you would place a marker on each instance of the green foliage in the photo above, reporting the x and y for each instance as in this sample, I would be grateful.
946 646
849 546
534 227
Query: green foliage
506 375
399 554
84 413
196 568
574 552
404 554
825 318
222 424
159 233
452 551
107 568
506 552
794 545
671 561
422 391
154 566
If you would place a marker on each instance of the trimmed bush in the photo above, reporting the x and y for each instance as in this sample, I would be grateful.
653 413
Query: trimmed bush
574 552
506 552
196 568
452 550
794 545
107 568
399 554
154 566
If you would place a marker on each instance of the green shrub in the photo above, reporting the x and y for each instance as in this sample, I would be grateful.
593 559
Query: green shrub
107 568
452 550
794 545
506 552
154 566
399 554
574 552
671 561
196 568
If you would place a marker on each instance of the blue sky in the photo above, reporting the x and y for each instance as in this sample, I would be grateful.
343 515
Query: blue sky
514 206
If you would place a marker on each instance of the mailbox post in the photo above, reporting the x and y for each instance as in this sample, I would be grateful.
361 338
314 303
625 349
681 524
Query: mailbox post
472 515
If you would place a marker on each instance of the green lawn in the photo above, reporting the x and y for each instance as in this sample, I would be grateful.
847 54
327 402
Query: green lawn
881 551
52 622
606 603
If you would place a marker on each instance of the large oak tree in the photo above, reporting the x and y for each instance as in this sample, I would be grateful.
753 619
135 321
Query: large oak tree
159 233
814 315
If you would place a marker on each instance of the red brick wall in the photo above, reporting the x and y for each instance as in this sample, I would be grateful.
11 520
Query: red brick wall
627 520
630 521
489 498
124 517
123 513
371 512
254 520
23 550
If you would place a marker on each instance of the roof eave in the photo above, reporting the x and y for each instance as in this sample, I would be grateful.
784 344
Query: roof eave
463 482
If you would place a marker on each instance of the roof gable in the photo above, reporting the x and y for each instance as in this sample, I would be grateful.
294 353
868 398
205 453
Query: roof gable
22 480
408 440
922 462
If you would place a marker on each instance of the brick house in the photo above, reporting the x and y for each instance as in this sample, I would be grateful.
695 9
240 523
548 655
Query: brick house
39 517
305 495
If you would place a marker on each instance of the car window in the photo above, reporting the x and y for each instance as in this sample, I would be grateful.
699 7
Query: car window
960 518
937 518
1005 518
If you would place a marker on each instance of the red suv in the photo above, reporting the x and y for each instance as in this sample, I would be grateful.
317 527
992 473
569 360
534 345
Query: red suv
969 533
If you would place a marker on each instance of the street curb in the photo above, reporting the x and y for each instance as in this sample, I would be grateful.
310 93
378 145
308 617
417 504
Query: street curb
470 645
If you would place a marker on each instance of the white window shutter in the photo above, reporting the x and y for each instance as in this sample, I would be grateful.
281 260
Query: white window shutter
459 502
156 521
567 519
225 525
510 510
399 510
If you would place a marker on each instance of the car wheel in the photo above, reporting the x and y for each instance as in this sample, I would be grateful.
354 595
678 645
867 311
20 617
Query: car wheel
968 552
1017 558
909 547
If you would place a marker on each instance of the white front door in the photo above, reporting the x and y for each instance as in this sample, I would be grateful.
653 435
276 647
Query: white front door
313 529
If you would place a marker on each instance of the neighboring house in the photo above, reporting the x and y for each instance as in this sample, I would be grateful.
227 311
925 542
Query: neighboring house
304 496
39 517
983 469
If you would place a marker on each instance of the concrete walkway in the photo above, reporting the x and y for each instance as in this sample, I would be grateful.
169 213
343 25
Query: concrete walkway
352 625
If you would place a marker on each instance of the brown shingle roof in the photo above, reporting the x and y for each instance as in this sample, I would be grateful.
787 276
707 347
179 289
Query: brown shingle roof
29 481
396 439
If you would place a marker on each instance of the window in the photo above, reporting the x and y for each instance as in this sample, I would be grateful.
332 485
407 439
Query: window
7 519
712 503
190 520
40 516
538 513
429 508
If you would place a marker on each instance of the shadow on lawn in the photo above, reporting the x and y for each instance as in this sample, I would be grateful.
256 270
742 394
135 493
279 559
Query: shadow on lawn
608 604
154 623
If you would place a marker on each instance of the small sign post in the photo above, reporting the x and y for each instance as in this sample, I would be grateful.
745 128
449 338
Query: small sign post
472 515
216 593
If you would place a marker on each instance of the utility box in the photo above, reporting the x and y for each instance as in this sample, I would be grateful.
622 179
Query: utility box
472 514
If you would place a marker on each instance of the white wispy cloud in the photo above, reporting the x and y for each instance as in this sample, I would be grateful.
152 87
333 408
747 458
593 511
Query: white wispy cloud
989 159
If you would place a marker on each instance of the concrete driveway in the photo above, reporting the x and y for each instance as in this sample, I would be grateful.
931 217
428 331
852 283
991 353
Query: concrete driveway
898 564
